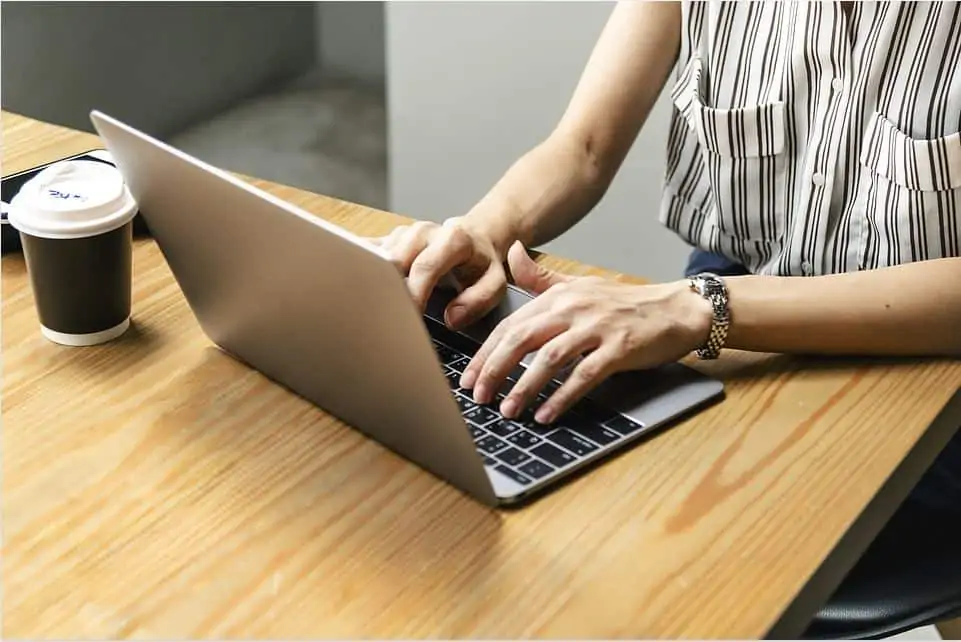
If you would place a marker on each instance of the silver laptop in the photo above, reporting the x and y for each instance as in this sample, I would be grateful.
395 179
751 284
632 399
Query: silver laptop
327 315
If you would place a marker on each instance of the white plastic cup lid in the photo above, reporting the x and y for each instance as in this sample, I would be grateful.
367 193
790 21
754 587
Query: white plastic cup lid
72 199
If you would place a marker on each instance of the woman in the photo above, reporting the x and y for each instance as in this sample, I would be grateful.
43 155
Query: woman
814 162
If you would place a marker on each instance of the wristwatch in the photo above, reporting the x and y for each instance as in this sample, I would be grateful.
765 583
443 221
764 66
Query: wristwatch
712 287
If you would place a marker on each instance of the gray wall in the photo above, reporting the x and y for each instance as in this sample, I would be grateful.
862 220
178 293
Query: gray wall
350 41
160 65
473 85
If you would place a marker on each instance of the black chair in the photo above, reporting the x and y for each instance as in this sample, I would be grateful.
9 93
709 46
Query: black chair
910 576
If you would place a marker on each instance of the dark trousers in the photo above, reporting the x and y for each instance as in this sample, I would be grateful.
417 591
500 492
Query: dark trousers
940 488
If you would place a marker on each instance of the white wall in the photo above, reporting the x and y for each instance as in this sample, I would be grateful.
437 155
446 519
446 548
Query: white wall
472 85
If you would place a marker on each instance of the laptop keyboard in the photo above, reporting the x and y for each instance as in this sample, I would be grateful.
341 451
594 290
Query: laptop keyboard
523 449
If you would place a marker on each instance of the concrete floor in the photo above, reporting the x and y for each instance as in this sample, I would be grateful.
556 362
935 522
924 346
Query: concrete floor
329 138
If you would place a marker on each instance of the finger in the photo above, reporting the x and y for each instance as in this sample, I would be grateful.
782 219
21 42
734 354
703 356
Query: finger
404 245
557 353
393 236
528 274
586 376
382 240
478 299
449 248
508 351
527 311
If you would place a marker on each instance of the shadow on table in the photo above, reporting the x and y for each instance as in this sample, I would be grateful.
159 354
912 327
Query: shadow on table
105 362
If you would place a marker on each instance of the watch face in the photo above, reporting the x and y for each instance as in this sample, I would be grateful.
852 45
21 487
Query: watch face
710 283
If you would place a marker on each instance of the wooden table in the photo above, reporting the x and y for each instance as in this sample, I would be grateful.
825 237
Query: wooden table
153 487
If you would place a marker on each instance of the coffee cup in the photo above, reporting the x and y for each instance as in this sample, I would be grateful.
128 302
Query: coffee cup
75 220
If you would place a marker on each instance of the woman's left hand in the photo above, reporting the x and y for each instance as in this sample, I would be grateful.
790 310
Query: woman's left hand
600 325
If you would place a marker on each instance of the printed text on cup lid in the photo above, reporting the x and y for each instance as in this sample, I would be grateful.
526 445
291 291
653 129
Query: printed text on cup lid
72 198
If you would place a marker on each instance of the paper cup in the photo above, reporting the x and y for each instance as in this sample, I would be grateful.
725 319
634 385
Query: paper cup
75 220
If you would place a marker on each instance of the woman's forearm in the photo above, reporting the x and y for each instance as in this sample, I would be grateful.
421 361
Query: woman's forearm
558 182
540 197
912 309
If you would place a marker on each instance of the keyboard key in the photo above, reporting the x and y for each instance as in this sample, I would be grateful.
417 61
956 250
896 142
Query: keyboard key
513 474
476 432
444 353
527 415
516 374
547 391
597 434
481 415
458 364
502 428
491 444
464 403
536 469
453 379
574 443
489 461
540 430
506 386
524 439
624 425
550 388
513 456
553 455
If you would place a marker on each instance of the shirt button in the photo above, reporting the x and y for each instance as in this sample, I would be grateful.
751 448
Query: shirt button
818 179
806 268
837 85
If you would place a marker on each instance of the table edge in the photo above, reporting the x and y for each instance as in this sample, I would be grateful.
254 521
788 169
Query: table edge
819 588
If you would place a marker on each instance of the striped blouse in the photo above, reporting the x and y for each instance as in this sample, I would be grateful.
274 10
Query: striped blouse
811 139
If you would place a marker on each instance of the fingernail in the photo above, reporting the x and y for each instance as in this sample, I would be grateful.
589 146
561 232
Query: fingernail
480 394
467 379
509 408
455 315
544 415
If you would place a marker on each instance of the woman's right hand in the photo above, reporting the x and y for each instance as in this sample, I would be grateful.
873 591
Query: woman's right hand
427 252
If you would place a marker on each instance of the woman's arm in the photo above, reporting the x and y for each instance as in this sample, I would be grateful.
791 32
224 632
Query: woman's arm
558 182
912 309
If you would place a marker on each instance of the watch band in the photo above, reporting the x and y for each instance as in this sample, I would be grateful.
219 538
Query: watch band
712 287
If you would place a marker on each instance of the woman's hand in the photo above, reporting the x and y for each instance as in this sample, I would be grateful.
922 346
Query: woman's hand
597 325
426 252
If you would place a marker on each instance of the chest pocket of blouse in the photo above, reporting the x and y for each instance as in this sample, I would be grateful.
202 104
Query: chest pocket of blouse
744 161
912 204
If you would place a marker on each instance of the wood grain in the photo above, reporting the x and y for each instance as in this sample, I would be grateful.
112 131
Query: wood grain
153 487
